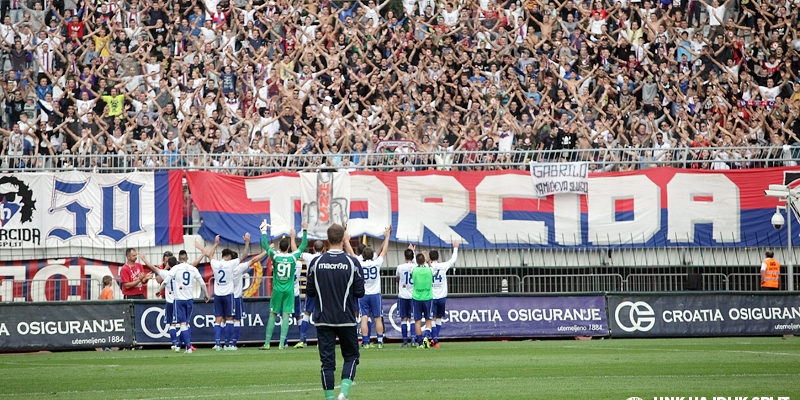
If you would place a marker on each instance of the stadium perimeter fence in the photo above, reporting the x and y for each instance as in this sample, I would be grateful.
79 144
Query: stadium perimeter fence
600 159
89 289
477 271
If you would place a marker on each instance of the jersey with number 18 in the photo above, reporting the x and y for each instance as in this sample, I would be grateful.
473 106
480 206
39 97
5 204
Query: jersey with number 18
406 287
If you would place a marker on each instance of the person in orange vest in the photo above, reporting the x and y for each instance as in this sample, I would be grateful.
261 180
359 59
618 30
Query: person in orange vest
770 272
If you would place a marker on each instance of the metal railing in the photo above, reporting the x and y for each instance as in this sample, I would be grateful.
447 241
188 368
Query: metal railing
389 284
483 284
89 289
743 281
572 283
672 282
601 159
54 289
465 284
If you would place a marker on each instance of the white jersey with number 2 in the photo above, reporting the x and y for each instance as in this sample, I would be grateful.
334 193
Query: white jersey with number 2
224 276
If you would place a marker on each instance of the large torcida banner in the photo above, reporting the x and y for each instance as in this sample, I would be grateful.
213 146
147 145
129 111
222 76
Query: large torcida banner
654 207
92 210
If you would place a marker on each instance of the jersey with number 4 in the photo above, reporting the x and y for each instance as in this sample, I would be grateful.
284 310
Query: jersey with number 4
406 287
183 277
439 270
223 276
372 275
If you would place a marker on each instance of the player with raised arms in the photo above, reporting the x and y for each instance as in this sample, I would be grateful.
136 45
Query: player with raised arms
335 283
283 266
422 299
298 272
169 296
224 306
238 275
182 277
439 270
371 305
405 288
308 305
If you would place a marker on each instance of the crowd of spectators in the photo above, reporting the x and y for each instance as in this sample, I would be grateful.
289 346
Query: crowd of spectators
362 85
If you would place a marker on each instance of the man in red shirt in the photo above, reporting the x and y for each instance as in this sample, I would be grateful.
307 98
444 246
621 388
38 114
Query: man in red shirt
75 29
133 277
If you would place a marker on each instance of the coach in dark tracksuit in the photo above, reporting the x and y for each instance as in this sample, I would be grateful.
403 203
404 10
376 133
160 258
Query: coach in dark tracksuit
335 282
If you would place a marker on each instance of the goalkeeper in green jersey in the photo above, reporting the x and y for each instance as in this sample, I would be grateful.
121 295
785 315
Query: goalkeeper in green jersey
283 265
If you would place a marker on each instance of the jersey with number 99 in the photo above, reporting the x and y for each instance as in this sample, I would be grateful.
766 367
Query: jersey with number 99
371 270
223 276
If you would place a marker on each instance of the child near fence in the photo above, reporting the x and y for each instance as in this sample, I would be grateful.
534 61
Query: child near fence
107 293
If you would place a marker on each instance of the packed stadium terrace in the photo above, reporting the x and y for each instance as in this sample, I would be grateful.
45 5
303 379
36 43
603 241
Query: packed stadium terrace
301 84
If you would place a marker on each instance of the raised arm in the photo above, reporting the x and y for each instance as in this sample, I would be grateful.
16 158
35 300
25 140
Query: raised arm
246 238
454 257
346 243
150 265
303 243
387 233
265 239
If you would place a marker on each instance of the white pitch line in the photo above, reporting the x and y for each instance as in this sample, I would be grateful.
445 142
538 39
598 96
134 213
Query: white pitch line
526 378
147 389
685 350
315 385
231 394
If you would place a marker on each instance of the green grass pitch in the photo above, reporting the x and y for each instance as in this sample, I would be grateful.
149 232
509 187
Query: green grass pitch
555 369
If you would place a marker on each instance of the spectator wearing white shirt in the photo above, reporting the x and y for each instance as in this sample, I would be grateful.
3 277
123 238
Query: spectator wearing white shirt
716 16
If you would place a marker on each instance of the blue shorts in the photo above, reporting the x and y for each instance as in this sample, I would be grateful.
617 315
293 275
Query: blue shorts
439 307
422 309
371 306
183 311
296 313
405 308
238 311
169 313
310 305
224 306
